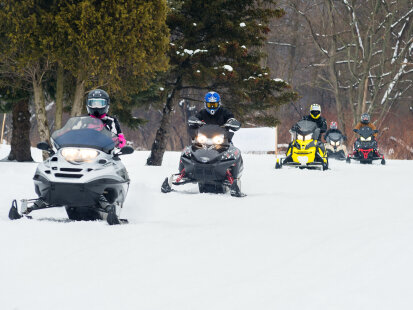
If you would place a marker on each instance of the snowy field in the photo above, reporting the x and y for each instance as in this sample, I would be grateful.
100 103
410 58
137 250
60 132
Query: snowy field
339 239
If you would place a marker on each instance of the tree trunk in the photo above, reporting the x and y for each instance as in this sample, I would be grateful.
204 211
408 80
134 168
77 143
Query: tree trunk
59 97
41 116
333 72
162 134
20 139
77 106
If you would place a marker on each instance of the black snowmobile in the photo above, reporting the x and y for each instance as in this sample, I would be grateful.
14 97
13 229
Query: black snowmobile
211 161
335 146
365 147
84 175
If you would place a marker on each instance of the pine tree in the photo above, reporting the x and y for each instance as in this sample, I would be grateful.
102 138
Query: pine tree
216 45
118 45
24 50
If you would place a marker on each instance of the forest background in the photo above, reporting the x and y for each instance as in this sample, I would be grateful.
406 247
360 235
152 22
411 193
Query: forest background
349 56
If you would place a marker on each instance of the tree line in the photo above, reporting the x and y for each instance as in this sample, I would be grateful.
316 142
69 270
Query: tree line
141 52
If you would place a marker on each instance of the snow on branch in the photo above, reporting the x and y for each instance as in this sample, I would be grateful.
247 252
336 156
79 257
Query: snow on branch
344 61
281 44
396 77
353 16
396 48
406 16
345 46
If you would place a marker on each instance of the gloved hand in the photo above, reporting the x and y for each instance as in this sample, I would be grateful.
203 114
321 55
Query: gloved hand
194 122
233 124
122 140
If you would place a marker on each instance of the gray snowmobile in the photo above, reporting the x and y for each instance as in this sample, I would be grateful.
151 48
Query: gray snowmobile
211 161
83 174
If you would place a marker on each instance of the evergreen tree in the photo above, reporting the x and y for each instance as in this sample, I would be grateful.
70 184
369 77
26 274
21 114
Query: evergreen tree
118 45
24 50
216 45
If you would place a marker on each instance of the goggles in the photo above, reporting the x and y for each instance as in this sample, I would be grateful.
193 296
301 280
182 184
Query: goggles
315 113
212 105
96 103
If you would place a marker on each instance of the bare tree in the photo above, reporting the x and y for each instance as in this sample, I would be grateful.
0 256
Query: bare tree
365 48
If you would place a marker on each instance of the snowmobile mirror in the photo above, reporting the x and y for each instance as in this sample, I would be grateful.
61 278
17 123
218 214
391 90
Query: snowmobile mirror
375 131
44 146
126 150
355 130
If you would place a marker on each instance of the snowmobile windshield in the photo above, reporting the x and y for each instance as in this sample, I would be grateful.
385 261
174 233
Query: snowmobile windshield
365 132
305 127
213 135
85 132
334 136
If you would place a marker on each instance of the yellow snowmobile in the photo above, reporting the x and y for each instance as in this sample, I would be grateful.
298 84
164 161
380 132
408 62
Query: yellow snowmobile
305 151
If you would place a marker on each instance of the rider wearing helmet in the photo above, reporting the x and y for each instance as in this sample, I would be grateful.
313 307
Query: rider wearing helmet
213 113
97 105
333 128
365 121
315 116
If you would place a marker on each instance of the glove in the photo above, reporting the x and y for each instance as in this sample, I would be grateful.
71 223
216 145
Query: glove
233 124
122 140
194 122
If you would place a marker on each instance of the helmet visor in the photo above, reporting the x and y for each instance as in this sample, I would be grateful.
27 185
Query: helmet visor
212 105
97 103
315 113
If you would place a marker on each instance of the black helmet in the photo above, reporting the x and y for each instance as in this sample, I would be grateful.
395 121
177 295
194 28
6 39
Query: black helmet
97 103
365 118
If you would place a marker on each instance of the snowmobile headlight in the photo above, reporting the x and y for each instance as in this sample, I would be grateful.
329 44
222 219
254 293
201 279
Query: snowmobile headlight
362 139
337 143
72 154
218 139
308 137
300 137
201 138
368 139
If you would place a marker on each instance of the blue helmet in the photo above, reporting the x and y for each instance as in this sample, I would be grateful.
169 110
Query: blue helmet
212 102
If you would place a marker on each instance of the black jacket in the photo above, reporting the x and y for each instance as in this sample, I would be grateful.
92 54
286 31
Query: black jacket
220 117
321 122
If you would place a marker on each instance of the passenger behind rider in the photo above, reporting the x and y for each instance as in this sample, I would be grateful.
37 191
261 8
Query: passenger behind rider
333 129
213 114
97 105
341 146
365 121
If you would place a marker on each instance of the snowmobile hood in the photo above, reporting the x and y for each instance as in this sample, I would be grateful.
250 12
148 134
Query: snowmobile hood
205 156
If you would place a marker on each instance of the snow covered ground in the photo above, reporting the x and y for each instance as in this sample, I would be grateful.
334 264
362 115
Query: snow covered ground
255 139
339 239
